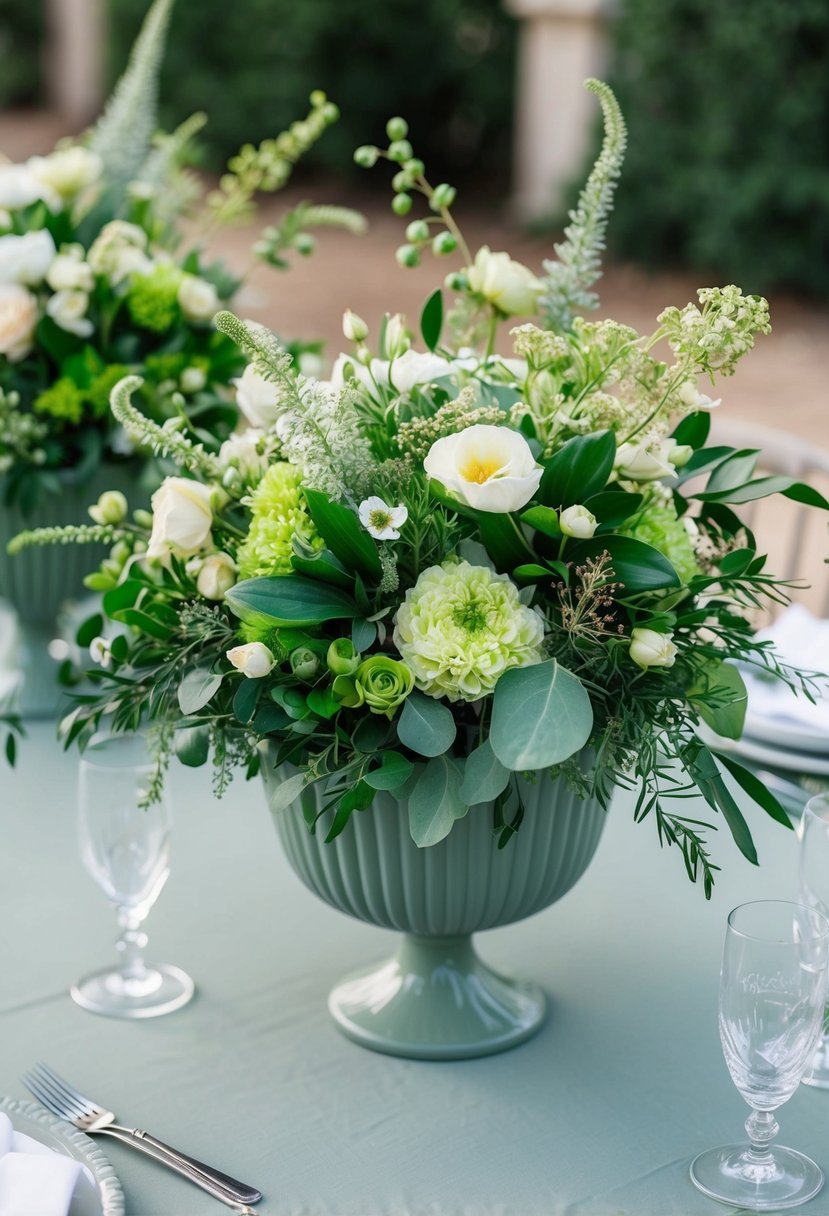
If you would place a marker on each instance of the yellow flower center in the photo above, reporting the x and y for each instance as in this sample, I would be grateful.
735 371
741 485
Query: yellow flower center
379 519
480 468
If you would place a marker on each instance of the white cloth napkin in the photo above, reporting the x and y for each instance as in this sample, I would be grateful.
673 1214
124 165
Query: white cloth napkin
802 641
34 1180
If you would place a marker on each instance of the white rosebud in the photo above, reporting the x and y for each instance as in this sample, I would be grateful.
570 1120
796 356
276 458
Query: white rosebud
69 272
67 171
216 576
651 649
198 299
417 367
507 285
680 454
254 660
100 652
489 468
354 327
111 508
18 318
257 398
68 310
690 395
182 517
577 521
397 336
645 462
25 259
380 520
193 380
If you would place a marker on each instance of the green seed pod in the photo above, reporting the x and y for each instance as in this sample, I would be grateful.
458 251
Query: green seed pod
444 243
304 243
318 98
397 128
443 195
417 231
402 181
401 204
366 156
407 255
414 166
330 112
399 150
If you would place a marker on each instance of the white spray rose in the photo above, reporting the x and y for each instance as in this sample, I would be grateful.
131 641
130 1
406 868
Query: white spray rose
68 310
243 451
20 188
645 461
416 367
216 576
254 660
507 285
18 318
257 398
182 517
651 649
489 468
25 259
577 521
69 272
198 299
67 171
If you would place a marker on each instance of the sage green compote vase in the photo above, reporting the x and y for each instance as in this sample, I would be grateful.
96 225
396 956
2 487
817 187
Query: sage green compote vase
435 999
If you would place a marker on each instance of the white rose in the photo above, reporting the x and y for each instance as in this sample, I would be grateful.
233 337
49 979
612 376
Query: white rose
257 398
67 171
68 310
509 286
25 259
18 318
254 660
489 468
645 461
651 649
69 272
198 299
690 395
216 576
20 188
242 451
416 367
578 521
182 517
193 379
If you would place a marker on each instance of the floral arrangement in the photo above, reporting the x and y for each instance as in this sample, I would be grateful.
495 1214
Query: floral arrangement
443 568
94 285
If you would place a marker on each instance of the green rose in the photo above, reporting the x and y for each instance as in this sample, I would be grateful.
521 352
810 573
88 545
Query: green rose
342 658
385 683
304 663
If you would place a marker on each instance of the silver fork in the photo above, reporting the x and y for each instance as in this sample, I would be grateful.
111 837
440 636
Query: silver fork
67 1103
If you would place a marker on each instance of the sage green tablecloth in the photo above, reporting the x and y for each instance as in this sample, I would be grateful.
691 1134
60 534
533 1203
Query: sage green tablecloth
597 1116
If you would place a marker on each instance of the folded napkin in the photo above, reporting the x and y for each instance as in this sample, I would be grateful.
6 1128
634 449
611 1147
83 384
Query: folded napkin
802 641
34 1180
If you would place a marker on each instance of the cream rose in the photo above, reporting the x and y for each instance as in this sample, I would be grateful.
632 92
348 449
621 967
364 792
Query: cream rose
68 310
18 318
254 660
69 272
67 171
182 518
507 285
257 398
198 299
19 187
216 576
577 521
25 259
645 461
489 468
651 649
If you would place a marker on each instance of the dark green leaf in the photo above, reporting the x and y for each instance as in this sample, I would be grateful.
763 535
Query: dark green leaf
191 745
322 702
144 622
325 567
245 698
613 507
543 519
720 698
290 600
734 471
703 768
578 470
91 628
122 596
694 429
269 719
344 535
502 539
638 566
484 776
11 749
425 725
363 634
757 792
431 319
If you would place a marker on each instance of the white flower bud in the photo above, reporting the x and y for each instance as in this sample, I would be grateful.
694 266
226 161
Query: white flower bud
507 285
193 380
577 521
651 649
680 455
254 660
111 508
354 327
198 299
397 337
100 652
216 576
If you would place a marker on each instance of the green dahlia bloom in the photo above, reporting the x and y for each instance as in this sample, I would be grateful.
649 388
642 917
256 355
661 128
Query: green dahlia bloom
661 527
277 512
461 627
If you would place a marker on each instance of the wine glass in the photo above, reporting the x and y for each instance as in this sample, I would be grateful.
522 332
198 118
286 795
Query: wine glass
814 892
772 997
126 849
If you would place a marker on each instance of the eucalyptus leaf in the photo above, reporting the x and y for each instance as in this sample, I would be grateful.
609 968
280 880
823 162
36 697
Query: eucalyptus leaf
425 725
363 633
281 797
197 688
541 715
484 776
435 802
394 771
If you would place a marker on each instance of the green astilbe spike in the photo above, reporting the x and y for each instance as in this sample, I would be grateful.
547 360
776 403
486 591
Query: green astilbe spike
161 440
69 534
579 265
122 137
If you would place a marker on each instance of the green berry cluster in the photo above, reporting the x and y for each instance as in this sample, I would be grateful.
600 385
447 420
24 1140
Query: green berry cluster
411 178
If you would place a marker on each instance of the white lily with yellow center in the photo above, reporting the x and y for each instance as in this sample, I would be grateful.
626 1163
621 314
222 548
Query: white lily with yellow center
488 468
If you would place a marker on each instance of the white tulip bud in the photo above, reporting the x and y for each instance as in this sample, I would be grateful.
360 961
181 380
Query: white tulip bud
111 508
216 576
354 327
578 521
254 660
651 649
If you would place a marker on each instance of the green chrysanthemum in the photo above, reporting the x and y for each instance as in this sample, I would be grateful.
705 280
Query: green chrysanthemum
461 627
660 526
152 299
277 514
63 400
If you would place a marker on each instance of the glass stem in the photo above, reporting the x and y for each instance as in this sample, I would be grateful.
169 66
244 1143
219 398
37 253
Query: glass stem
130 946
762 1127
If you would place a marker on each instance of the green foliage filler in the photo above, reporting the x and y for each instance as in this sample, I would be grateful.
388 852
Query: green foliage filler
450 63
727 105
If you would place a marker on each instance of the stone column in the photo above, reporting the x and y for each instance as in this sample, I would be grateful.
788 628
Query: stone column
75 59
562 42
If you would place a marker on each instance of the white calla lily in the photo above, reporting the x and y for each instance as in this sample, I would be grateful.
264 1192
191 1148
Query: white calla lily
489 468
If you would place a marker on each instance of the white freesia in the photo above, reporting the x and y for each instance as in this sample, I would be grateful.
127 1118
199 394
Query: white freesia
216 576
380 520
257 398
20 188
489 468
651 649
690 395
67 171
69 272
68 310
182 517
577 521
507 285
198 299
645 461
254 660
26 258
18 318
118 251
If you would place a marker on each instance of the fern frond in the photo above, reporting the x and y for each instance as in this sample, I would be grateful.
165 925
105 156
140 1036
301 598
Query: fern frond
161 440
579 265
69 534
123 133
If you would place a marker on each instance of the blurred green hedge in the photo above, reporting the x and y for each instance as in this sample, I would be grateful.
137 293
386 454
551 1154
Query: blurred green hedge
727 102
447 65
22 31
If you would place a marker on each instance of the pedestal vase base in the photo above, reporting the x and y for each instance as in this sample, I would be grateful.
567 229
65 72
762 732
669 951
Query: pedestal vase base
436 1000
734 1175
